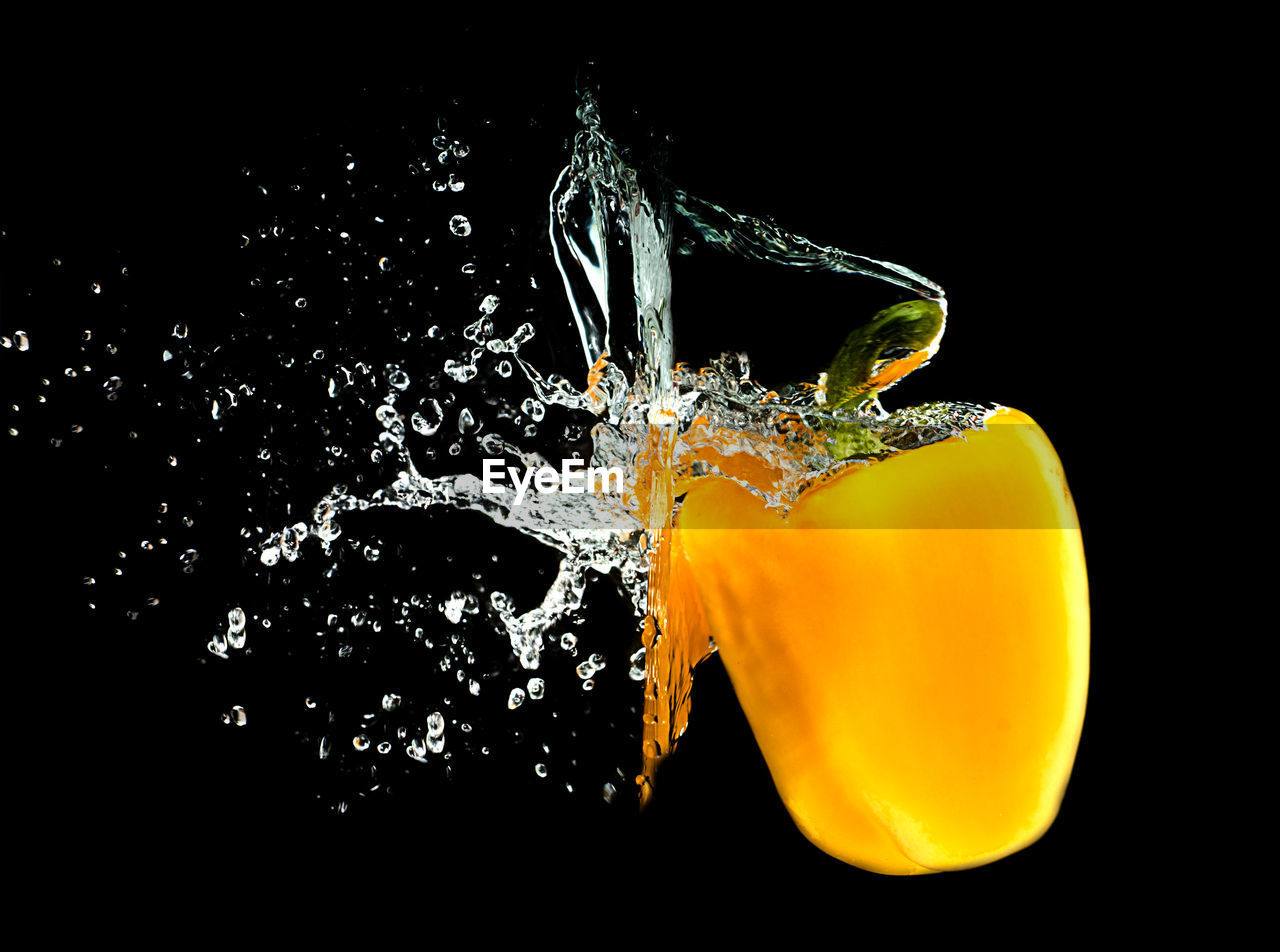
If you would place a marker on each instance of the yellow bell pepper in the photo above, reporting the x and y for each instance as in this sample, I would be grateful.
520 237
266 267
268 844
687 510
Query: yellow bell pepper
910 644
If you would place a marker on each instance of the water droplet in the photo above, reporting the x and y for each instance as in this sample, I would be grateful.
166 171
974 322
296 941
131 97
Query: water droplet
235 628
534 408
537 689
523 333
428 420
453 606
479 330
589 667
460 225
435 732
391 702
515 699
459 371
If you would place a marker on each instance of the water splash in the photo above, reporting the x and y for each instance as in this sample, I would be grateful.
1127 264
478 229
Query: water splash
665 425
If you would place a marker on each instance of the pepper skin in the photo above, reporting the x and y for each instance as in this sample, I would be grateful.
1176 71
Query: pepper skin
910 645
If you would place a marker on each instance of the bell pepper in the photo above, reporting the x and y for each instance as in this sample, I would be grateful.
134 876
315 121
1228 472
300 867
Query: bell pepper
910 643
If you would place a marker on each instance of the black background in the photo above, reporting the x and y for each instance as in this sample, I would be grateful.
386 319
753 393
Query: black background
1004 171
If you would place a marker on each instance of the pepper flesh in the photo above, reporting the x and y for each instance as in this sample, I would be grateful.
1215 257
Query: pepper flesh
910 645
